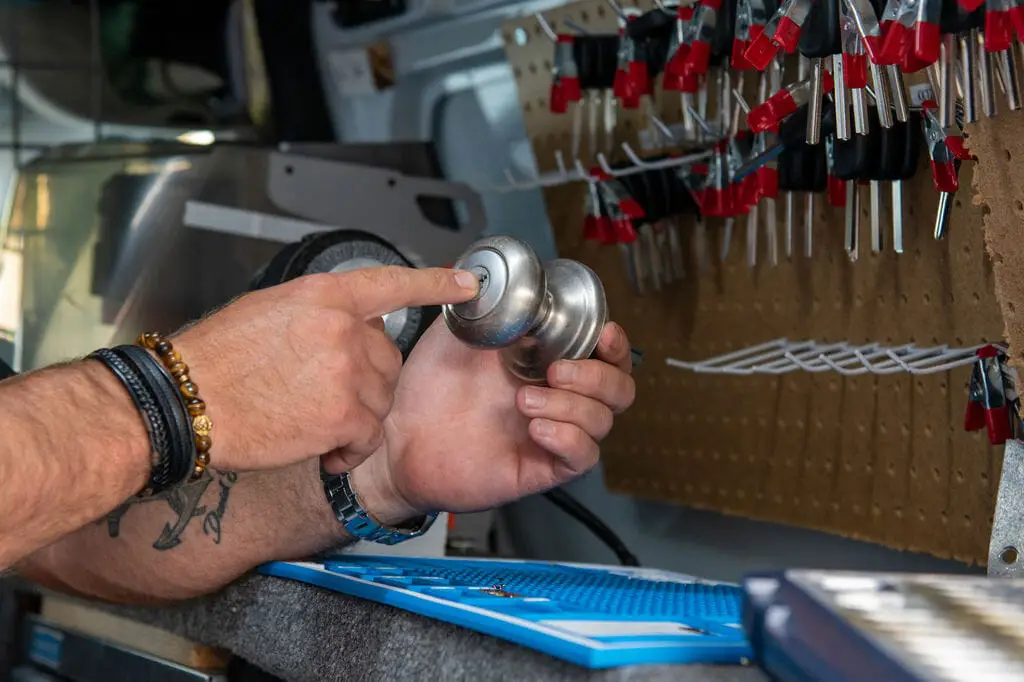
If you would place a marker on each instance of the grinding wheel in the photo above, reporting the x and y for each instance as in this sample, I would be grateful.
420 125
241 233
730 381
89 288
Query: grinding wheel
343 251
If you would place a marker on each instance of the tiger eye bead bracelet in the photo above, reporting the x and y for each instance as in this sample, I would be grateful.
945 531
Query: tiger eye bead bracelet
201 422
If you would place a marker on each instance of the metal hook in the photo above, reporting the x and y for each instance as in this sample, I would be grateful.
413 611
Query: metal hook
741 101
701 122
617 9
603 163
570 24
663 129
584 175
560 162
546 27
632 156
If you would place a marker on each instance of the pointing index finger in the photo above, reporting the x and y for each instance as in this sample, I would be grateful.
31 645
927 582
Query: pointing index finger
381 290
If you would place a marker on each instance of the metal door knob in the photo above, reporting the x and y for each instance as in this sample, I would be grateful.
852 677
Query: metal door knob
536 313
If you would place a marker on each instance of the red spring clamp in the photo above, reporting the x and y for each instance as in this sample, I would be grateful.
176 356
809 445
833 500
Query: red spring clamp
565 79
998 26
751 18
992 393
943 161
769 114
625 87
781 33
699 36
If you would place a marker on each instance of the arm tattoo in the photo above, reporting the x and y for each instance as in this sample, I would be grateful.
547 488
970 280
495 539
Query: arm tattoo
184 502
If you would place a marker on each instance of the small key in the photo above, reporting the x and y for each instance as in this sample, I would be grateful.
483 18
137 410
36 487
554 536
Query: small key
986 75
955 21
802 168
900 149
855 69
855 160
596 58
998 42
852 225
820 40
676 247
651 253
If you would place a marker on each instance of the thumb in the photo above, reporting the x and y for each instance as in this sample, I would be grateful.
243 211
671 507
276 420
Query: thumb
381 290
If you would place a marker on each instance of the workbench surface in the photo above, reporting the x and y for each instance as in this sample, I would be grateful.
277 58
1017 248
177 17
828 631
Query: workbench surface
303 633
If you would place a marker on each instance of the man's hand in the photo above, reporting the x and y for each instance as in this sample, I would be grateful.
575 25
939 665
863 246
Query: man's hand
465 435
304 368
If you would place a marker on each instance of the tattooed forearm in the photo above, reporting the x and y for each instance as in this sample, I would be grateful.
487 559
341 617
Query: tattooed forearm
184 503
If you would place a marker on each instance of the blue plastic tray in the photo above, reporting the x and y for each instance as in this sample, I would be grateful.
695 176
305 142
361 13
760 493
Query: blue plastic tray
594 616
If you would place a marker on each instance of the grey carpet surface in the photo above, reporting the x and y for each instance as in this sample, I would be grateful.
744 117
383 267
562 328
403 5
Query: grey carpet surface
303 633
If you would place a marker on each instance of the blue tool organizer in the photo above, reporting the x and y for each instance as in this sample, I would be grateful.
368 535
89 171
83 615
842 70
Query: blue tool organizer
593 616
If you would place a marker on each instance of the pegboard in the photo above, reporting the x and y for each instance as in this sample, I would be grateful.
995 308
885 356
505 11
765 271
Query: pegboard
879 458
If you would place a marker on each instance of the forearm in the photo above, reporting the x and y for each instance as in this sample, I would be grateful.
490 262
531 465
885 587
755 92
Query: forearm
200 538
193 540
72 447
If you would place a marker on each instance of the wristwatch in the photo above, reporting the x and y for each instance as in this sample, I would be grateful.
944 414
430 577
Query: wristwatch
357 521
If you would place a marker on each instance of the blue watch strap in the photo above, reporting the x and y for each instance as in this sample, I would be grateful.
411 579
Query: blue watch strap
357 521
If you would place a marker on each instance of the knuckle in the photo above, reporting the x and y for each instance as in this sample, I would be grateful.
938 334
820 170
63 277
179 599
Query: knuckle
343 366
389 277
343 411
605 420
594 376
581 451
375 436
393 364
327 325
316 287
628 391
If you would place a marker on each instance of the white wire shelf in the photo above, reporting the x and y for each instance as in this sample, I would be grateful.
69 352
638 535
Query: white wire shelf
782 356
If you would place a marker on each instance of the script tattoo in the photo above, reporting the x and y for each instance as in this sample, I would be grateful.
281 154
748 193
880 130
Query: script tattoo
211 524
185 503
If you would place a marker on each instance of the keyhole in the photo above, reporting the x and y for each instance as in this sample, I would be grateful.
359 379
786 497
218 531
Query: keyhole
483 278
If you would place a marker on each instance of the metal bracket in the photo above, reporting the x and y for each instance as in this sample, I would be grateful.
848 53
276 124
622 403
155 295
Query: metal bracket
1006 548
383 202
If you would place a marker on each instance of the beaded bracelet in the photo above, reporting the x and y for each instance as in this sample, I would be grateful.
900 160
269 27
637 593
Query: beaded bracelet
202 425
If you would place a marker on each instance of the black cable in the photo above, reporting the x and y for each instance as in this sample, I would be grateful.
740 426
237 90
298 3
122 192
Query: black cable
574 508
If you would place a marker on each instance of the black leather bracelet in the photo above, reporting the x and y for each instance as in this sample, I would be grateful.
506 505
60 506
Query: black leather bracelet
148 408
181 440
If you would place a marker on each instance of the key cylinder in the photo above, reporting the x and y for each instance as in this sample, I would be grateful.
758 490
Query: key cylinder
535 313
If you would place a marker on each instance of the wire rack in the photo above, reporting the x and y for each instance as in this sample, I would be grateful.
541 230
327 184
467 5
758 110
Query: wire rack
577 172
782 356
